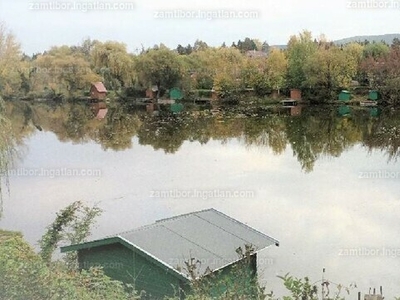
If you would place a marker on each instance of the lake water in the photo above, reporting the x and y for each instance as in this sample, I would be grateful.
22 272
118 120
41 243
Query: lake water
324 181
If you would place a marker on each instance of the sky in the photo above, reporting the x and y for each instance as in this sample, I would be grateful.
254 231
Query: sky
38 25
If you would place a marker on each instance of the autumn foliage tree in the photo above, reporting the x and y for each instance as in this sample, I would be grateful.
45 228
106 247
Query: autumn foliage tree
61 71
113 62
10 63
383 73
329 69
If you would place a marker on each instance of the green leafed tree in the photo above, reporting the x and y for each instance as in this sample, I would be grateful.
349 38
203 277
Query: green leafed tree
112 61
300 48
24 275
160 67
72 225
62 71
277 65
330 68
376 50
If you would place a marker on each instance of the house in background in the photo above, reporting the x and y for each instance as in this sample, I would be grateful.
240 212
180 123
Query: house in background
98 91
154 258
256 54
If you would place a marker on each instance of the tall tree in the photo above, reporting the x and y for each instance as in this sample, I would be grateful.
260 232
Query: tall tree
376 50
247 45
300 48
277 68
71 225
199 45
62 71
10 66
395 43
265 47
159 67
181 50
114 63
330 68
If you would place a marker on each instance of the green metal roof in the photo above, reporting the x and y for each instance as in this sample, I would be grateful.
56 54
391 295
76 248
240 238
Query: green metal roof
208 236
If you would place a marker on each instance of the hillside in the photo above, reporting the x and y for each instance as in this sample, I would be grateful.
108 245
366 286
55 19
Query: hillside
387 38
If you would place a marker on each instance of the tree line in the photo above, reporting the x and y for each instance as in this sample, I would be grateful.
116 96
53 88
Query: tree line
315 65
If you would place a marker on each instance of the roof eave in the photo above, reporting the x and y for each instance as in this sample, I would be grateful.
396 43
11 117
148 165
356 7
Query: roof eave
92 244
239 259
273 240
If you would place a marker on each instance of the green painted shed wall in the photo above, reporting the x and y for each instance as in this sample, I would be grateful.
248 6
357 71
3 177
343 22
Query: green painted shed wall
175 94
240 277
125 265
229 278
373 95
344 96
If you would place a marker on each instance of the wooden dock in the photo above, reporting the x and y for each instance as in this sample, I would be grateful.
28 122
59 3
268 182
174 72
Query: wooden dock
165 101
289 102
368 103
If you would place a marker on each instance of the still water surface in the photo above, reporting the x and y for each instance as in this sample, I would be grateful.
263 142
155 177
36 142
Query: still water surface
324 183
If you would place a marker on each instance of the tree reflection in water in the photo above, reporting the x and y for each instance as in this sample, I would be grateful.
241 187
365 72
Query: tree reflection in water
311 132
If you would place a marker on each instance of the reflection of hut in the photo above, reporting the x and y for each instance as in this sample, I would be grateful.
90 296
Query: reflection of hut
214 95
375 112
295 110
344 111
295 94
98 91
152 92
176 107
150 107
99 110
275 94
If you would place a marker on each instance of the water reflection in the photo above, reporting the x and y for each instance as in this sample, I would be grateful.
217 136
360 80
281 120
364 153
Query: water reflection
311 132
318 216
7 152
99 110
